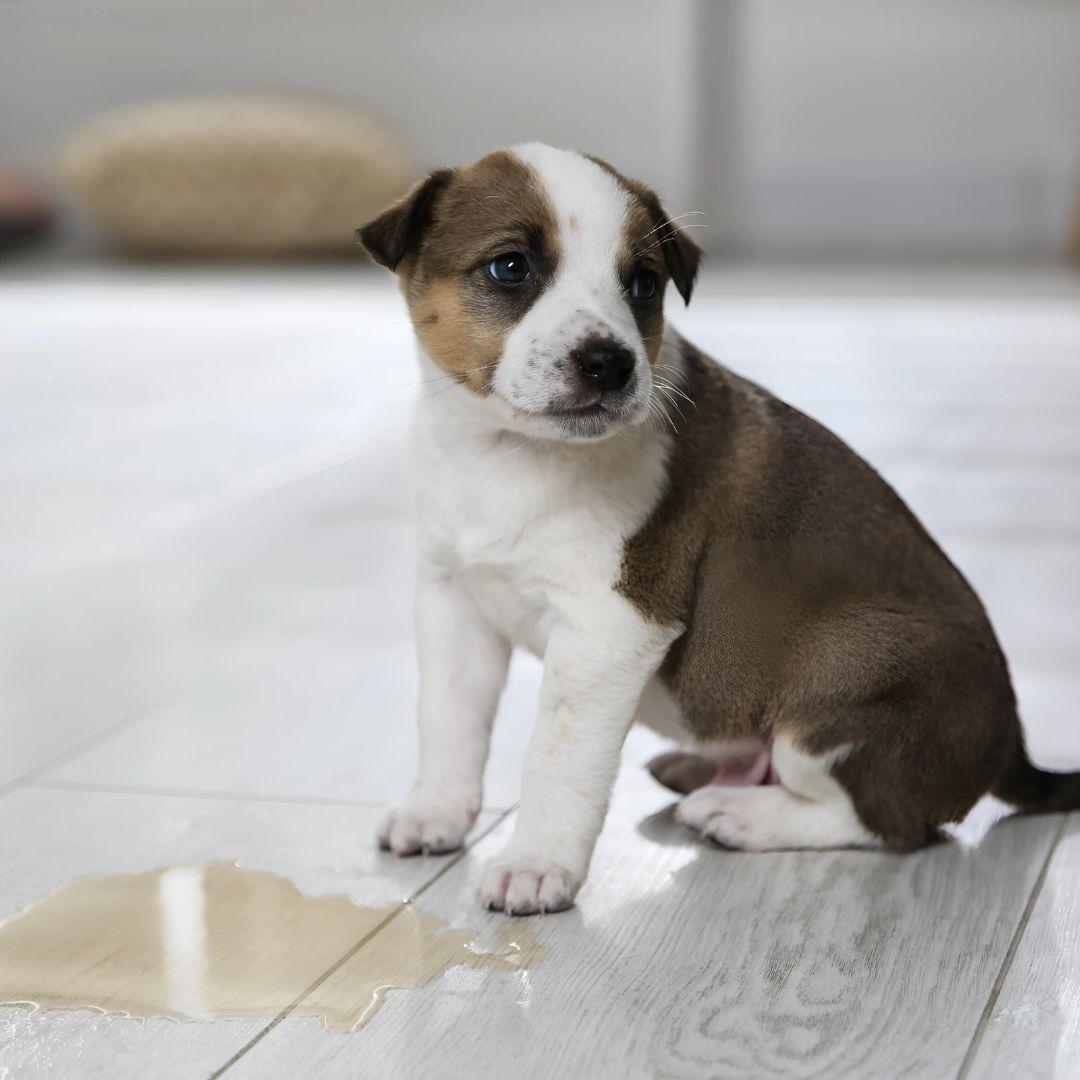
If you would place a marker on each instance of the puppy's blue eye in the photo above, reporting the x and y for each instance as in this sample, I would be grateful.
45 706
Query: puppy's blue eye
643 287
509 269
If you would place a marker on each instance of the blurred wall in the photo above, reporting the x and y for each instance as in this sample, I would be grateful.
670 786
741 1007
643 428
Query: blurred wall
455 79
923 126
853 126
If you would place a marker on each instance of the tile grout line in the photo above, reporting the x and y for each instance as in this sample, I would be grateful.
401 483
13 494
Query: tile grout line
1010 954
199 793
291 468
117 727
223 503
30 778
356 948
196 793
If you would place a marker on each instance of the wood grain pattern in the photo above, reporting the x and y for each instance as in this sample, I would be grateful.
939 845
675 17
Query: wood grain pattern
684 961
1033 1031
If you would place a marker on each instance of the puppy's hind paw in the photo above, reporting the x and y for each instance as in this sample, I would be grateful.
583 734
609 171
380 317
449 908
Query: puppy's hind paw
726 816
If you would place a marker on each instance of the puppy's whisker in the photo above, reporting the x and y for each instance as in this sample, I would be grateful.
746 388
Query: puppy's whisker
664 390
675 229
670 403
442 390
676 372
453 375
666 386
515 449
671 221
656 409
671 236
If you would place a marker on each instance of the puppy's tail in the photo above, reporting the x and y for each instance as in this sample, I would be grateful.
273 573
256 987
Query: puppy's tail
1034 790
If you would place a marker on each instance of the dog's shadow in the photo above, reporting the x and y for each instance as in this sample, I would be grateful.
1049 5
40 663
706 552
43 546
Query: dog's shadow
662 828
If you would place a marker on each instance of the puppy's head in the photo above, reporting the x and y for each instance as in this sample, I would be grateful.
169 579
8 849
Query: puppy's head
536 279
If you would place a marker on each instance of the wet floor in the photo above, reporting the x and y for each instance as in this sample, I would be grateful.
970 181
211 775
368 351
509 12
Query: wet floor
217 941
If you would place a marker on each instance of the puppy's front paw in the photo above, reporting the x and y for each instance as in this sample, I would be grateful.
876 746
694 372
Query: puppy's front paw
523 886
428 826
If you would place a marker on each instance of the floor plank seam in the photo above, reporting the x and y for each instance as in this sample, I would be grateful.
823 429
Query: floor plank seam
191 512
1010 954
205 793
119 727
196 793
224 505
351 952
91 742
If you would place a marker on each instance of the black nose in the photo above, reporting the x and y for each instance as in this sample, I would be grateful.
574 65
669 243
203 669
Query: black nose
604 365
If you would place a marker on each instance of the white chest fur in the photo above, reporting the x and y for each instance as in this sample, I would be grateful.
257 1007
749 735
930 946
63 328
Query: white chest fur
521 542
534 529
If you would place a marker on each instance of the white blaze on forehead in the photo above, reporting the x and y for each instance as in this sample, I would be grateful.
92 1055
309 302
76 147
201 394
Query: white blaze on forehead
585 297
590 206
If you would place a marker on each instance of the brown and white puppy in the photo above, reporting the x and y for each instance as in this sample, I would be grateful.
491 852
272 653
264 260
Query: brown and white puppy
679 546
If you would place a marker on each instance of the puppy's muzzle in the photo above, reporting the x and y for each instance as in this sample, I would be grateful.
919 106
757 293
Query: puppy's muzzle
603 364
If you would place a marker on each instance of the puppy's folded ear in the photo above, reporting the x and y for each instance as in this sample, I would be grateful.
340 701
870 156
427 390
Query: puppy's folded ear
681 255
683 258
388 237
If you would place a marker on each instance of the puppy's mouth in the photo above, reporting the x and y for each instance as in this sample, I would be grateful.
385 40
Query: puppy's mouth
578 411
589 415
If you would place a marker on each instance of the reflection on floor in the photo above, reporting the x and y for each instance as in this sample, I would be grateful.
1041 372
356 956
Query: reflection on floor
205 560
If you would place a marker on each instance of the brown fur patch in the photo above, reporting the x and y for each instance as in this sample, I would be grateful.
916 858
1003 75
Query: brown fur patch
678 253
641 251
652 242
463 347
462 317
814 603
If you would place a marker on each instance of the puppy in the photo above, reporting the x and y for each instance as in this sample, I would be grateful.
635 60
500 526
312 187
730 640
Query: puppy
681 548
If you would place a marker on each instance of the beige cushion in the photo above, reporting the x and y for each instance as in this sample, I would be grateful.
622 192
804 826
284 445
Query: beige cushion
237 176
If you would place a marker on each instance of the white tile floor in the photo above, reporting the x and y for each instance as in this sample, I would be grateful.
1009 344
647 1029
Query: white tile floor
205 653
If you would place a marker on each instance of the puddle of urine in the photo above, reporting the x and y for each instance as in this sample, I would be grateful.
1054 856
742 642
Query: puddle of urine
217 941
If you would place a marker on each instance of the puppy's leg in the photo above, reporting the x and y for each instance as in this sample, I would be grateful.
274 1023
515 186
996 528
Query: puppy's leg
738 763
463 663
681 770
594 674
807 809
